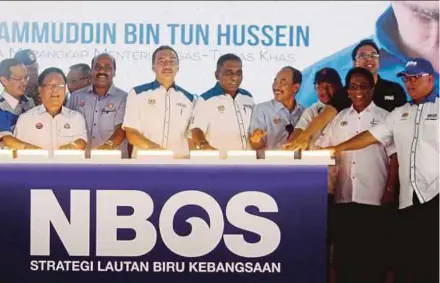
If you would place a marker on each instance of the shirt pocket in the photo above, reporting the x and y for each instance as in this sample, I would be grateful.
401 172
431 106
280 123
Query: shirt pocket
65 136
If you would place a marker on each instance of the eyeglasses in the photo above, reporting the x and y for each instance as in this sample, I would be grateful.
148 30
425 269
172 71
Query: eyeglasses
106 68
413 78
22 79
364 56
54 86
354 87
163 62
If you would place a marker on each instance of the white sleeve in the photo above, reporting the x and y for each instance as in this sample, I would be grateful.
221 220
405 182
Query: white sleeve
383 132
132 112
201 117
305 119
325 139
80 130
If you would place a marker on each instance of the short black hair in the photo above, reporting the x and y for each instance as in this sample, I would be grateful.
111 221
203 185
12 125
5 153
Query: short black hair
101 55
83 67
160 48
226 57
364 42
49 71
6 65
359 71
296 74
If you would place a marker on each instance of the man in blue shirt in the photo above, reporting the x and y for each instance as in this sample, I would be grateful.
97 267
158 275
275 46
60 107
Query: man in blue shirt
405 30
273 121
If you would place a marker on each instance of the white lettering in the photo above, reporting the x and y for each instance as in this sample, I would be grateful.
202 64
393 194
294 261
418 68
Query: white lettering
46 210
269 232
108 223
203 238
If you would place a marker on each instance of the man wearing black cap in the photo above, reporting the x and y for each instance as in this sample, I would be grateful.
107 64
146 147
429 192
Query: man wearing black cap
414 128
327 82
29 59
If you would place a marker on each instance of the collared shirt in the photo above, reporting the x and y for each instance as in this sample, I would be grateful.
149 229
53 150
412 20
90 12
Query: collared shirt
102 114
39 128
361 174
9 103
387 95
415 131
392 59
307 117
273 117
161 116
224 120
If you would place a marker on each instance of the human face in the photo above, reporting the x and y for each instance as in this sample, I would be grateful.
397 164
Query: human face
32 72
166 65
16 84
360 92
76 80
325 91
283 87
230 76
419 86
368 58
53 92
103 72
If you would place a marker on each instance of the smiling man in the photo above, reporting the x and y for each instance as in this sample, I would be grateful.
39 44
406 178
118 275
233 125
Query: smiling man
273 121
365 180
158 113
222 114
49 126
103 107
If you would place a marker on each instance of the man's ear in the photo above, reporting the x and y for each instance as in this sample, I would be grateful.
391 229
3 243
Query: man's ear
216 75
3 81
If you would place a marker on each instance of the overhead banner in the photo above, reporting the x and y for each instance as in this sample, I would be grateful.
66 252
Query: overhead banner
162 224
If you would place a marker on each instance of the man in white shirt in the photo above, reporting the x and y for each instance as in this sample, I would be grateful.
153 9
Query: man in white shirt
222 114
414 128
158 113
365 178
49 126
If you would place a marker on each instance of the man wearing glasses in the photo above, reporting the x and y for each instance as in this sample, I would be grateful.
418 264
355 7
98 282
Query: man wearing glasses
49 126
28 58
414 128
158 113
103 106
14 78
79 76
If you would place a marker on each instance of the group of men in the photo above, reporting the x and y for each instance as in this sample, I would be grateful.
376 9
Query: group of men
383 144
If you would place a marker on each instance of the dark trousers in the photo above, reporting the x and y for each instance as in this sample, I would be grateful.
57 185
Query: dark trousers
359 243
419 243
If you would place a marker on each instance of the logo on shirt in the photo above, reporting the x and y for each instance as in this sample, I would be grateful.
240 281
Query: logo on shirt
66 126
404 116
110 105
276 120
39 126
431 116
374 122
82 103
344 123
389 97
181 105
221 108
151 101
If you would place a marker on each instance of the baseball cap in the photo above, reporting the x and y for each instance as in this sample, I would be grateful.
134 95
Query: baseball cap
26 56
417 66
328 75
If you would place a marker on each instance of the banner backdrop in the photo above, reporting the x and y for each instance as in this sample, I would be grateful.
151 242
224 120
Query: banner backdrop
169 224
267 35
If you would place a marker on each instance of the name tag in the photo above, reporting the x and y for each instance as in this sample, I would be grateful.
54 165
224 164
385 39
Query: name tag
389 97
374 122
431 117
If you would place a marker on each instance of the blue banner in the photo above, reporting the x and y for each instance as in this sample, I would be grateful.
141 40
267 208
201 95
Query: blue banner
151 223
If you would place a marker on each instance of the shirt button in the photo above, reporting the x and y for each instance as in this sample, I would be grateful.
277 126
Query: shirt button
96 111
354 162
93 137
94 124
